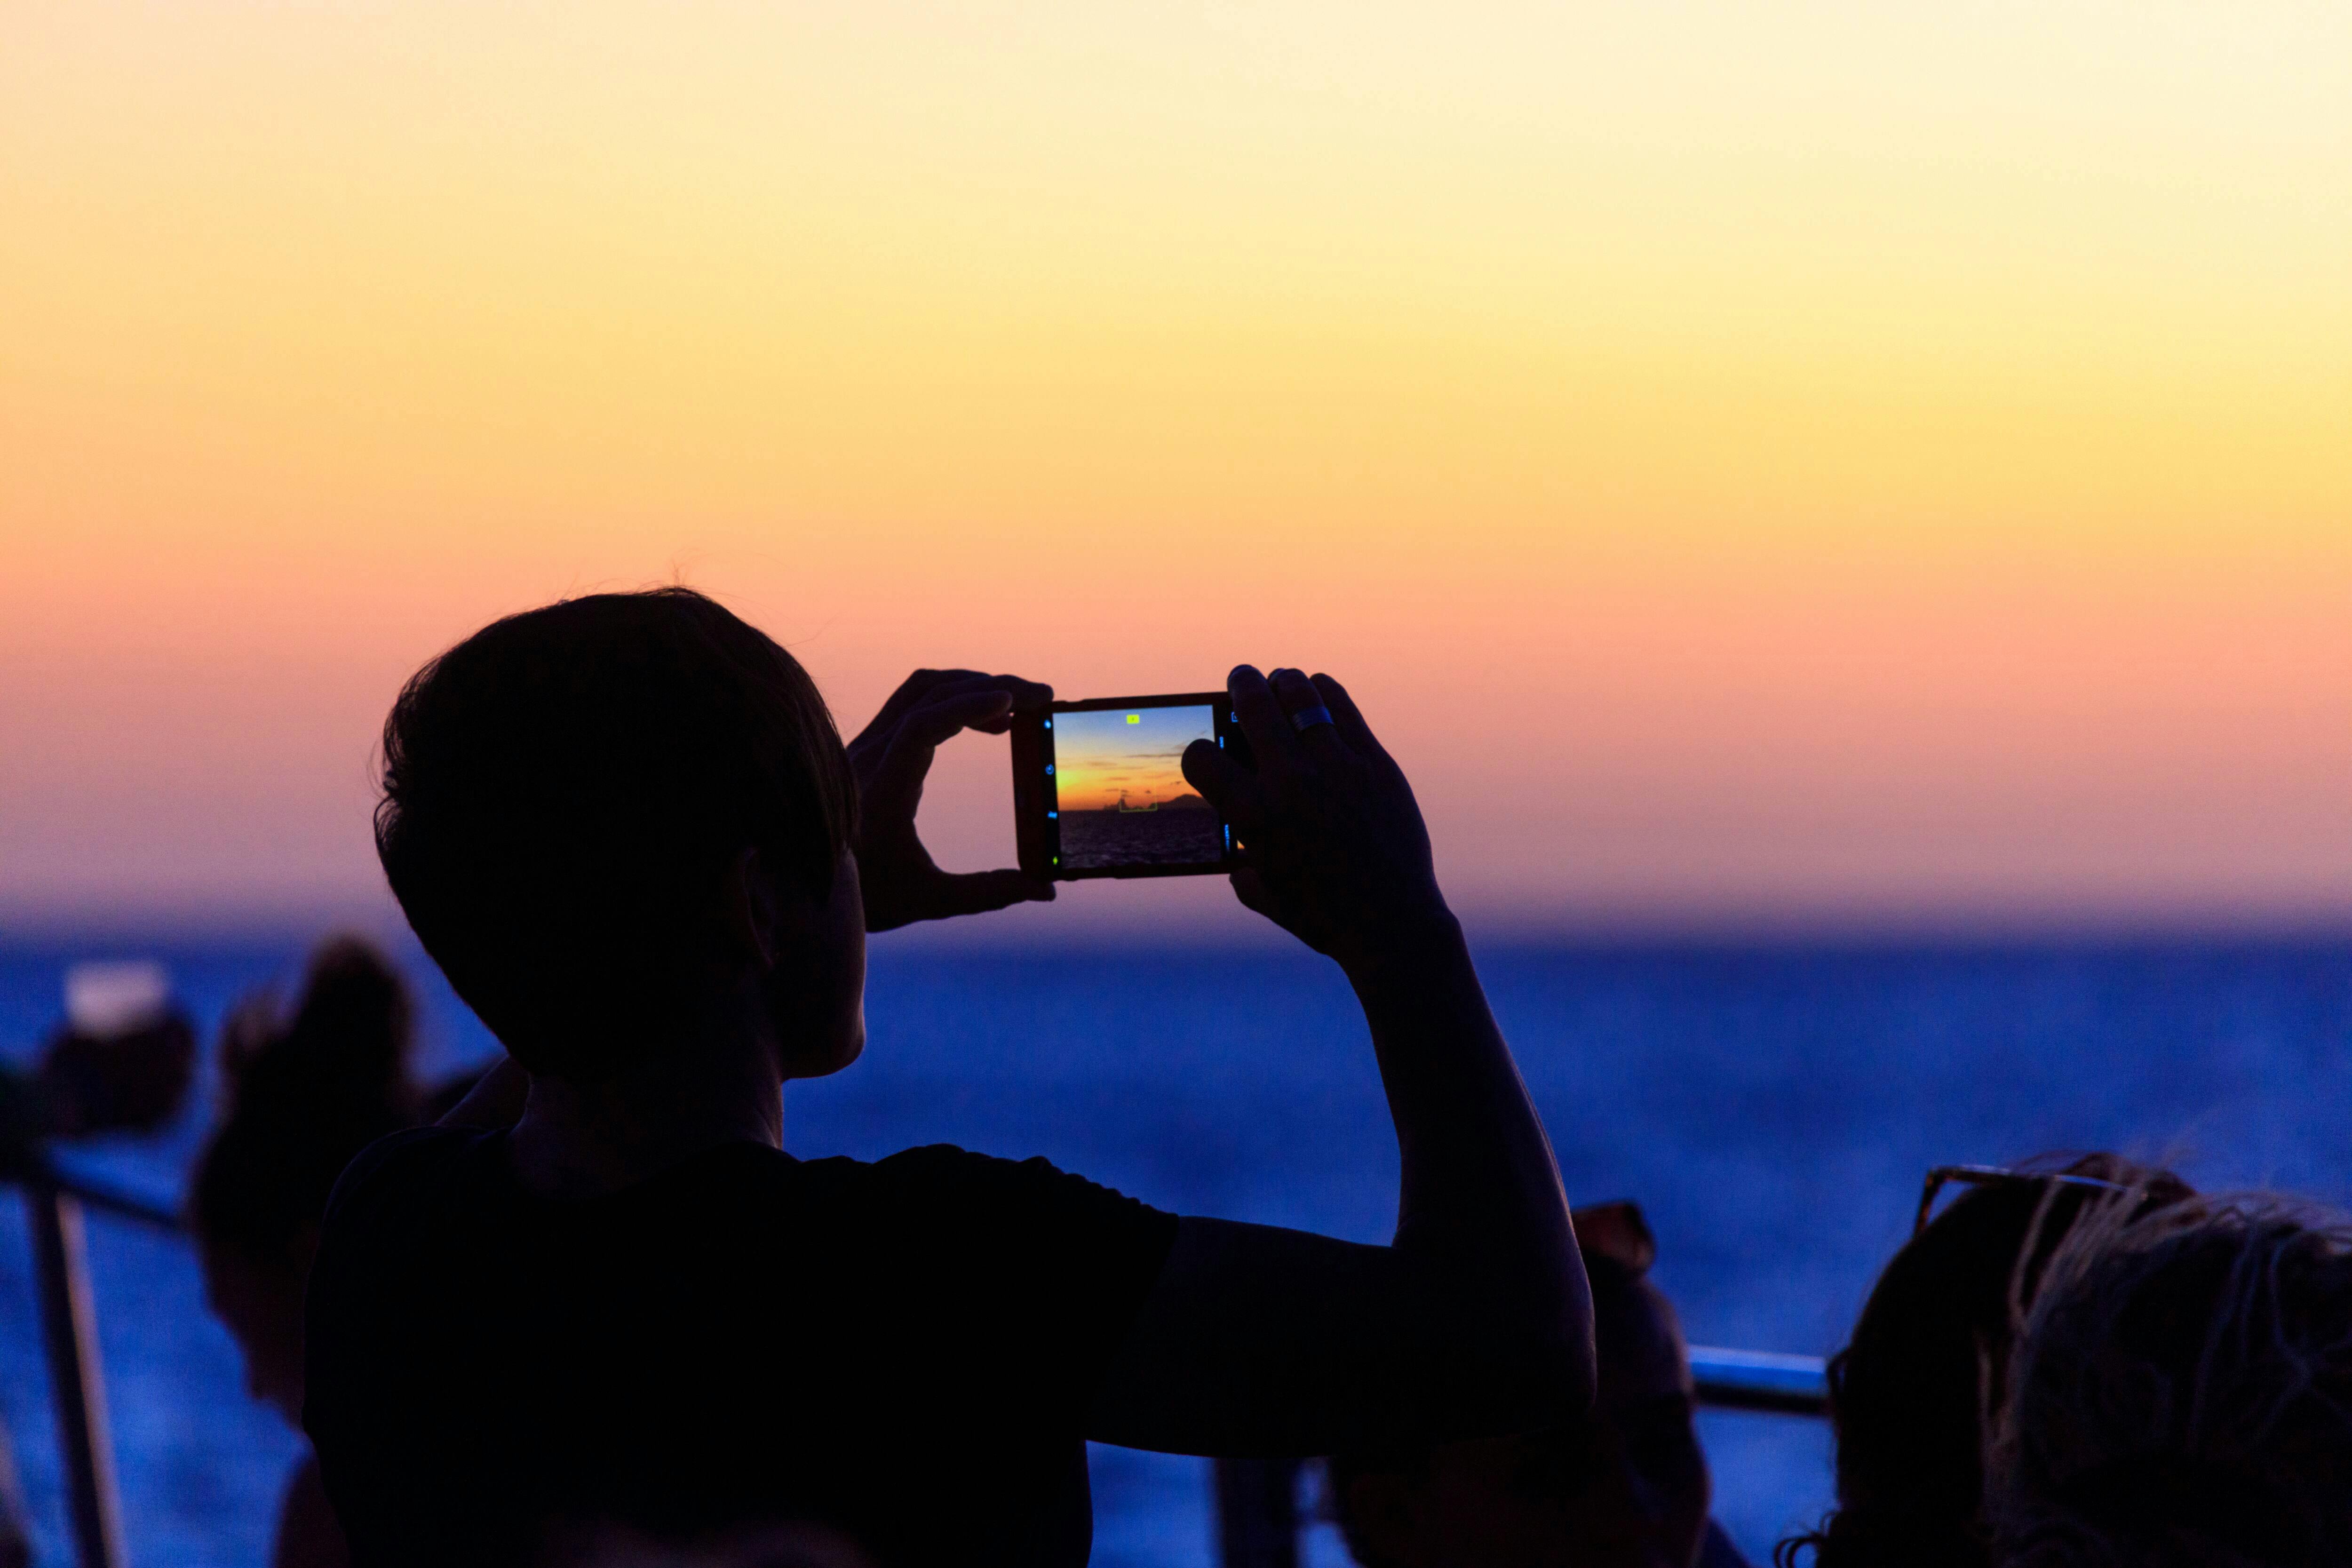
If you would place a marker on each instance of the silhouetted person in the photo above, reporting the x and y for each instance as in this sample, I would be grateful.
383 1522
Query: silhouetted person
625 828
1622 1485
2182 1395
304 1092
120 1064
1915 1393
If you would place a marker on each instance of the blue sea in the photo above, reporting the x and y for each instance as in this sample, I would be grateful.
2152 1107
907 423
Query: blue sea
1772 1108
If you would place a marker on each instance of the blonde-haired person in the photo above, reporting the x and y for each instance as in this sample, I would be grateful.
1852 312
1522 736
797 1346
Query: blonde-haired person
1918 1389
2183 1393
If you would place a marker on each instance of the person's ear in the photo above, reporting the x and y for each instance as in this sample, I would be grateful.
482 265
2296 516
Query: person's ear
1384 1521
751 916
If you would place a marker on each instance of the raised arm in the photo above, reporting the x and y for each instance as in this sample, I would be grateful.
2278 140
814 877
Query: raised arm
1475 1319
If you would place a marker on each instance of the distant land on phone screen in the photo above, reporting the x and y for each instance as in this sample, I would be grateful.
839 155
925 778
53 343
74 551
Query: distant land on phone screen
1182 833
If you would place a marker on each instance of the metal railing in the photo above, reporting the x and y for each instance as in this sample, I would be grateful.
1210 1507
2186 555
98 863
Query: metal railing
54 1203
1760 1380
1259 1516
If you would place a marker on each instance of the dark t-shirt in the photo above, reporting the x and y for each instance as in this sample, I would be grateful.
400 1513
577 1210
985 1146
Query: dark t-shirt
904 1350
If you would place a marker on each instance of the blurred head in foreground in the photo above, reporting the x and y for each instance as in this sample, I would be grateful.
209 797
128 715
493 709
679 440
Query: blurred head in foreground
1623 1486
304 1092
2182 1395
579 801
1914 1391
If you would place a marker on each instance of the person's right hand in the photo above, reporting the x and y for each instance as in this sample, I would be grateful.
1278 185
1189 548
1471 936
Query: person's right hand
891 757
1333 843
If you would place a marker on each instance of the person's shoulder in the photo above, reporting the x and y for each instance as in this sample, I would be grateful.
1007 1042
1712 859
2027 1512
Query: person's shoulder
960 1187
412 1150
938 1162
946 1167
403 1165
942 1173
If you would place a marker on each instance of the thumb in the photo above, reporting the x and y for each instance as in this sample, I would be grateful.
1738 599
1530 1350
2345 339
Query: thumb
1228 788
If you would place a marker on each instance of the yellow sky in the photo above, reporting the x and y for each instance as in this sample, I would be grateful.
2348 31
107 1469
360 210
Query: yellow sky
1817 458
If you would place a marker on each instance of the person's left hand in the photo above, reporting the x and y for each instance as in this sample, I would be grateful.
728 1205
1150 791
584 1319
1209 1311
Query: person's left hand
891 757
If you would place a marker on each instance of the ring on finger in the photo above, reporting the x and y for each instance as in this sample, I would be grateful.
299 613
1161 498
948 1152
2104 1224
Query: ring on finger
1306 719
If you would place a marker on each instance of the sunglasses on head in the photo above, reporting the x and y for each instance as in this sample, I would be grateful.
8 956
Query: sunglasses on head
1943 1176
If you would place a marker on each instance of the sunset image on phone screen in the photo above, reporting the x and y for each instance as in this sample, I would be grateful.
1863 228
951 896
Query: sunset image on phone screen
1119 783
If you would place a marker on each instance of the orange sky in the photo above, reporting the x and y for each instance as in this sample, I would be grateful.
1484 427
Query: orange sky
1841 466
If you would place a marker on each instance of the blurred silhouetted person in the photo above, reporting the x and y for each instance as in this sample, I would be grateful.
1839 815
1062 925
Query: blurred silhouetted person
2182 1395
304 1091
121 1063
1622 1485
626 830
1917 1391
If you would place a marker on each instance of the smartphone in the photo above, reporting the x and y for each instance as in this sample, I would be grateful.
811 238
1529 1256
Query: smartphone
1098 787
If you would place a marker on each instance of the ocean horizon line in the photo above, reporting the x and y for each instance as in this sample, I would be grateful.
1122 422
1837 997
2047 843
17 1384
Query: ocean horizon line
1190 927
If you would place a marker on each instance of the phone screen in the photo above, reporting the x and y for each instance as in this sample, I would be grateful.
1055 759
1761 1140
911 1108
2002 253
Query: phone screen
1106 793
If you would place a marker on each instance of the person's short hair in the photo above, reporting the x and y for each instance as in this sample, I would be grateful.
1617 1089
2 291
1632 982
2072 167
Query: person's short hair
2181 1394
564 791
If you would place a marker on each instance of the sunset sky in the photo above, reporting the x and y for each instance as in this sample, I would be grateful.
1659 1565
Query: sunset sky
1825 463
1140 753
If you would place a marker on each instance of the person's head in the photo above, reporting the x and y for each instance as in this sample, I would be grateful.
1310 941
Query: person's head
1623 1485
2182 1395
305 1091
1913 1394
611 817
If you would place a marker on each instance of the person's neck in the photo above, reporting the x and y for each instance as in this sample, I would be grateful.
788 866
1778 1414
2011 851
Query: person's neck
708 1085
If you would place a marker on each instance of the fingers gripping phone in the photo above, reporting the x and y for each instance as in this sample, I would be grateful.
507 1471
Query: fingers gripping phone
1098 787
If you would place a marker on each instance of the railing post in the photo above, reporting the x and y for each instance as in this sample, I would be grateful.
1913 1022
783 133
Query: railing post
77 1381
1257 1513
16 1523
